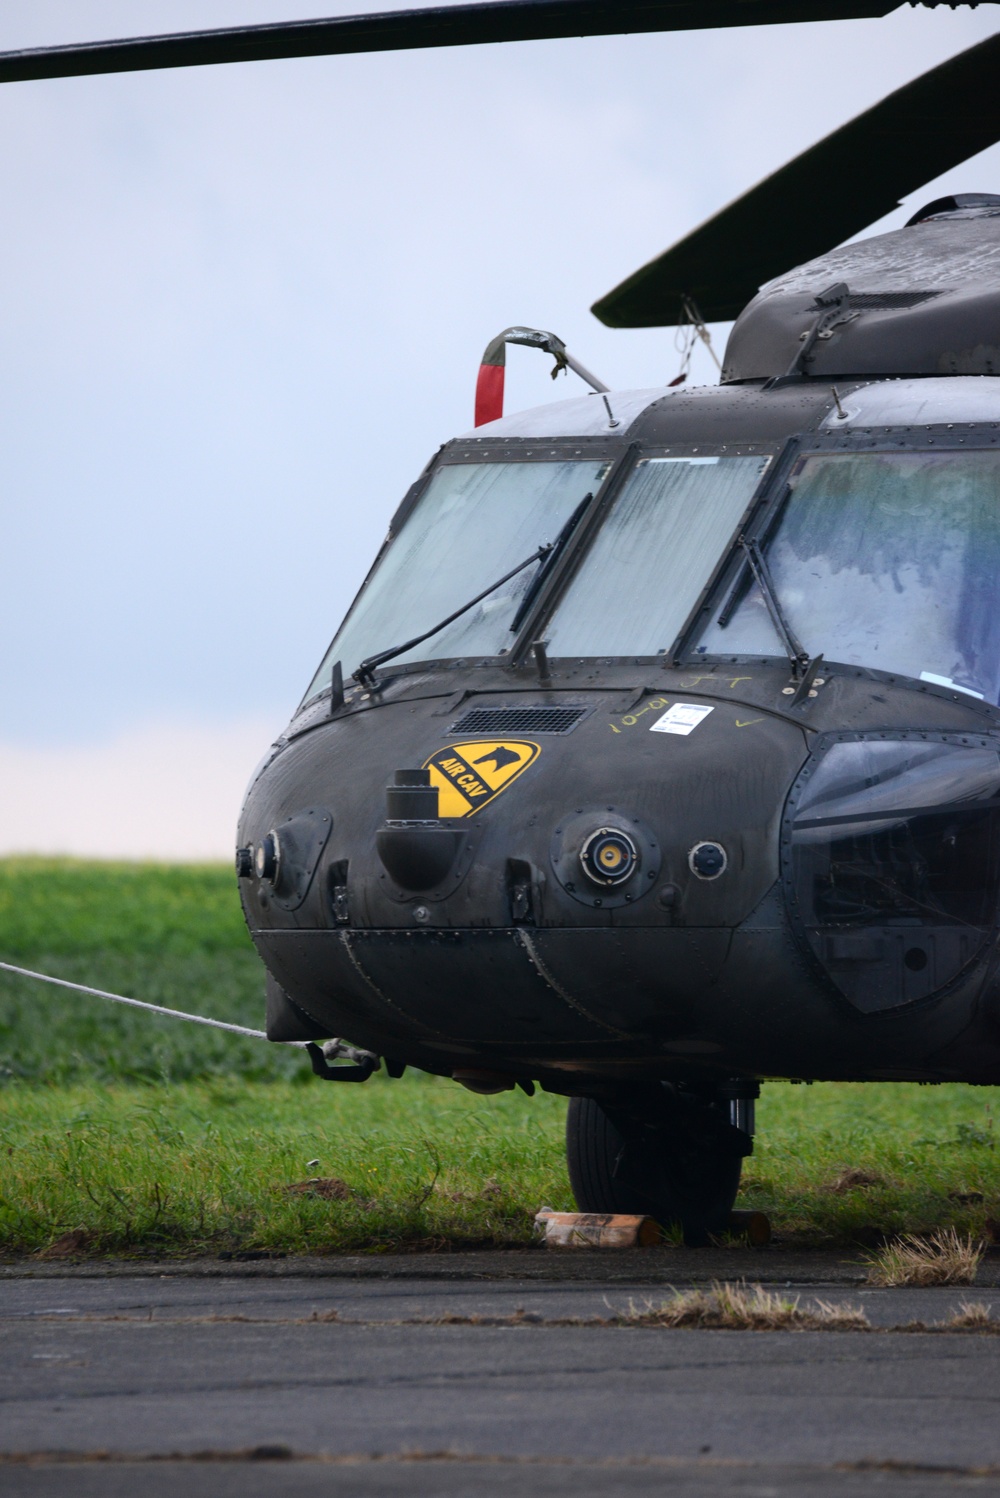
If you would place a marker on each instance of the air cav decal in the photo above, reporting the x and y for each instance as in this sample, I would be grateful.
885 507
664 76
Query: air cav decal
469 776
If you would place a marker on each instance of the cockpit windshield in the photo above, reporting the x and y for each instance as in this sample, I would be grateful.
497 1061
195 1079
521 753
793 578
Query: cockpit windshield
883 559
475 522
653 555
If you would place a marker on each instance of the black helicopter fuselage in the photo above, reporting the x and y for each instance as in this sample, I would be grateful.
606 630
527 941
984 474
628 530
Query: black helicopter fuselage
716 854
512 964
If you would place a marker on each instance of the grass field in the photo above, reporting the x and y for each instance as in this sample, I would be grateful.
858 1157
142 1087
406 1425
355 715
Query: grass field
148 1136
172 934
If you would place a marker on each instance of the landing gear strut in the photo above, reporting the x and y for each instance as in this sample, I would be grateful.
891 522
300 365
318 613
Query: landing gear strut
668 1149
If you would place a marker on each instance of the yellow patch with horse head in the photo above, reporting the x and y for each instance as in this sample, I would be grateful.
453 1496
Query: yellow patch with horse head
471 775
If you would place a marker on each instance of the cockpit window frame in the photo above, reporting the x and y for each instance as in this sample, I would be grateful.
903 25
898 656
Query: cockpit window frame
761 514
476 451
638 452
530 450
775 490
623 457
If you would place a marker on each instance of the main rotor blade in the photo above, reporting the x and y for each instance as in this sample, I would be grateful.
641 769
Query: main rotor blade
436 26
835 189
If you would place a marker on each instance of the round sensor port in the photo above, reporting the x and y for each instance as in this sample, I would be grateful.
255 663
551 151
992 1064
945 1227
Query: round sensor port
266 858
707 860
609 856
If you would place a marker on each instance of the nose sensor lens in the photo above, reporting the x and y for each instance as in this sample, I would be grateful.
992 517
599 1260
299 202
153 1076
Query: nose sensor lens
609 856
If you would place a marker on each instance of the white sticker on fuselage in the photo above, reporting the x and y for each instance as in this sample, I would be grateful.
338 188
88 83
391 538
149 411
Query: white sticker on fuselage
683 717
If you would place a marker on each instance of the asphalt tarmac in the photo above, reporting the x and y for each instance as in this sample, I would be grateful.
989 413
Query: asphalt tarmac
241 1384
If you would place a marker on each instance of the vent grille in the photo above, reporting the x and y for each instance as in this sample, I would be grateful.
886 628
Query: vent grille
518 720
887 300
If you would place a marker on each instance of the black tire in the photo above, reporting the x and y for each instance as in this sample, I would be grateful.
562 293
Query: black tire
684 1172
593 1149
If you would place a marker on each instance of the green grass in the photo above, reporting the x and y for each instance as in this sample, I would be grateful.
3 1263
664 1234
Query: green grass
921 1149
93 1138
171 934
202 1166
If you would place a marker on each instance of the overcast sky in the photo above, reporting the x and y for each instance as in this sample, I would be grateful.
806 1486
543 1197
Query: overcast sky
241 306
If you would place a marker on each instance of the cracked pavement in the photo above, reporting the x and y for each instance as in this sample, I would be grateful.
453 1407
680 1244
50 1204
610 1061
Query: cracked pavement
107 1382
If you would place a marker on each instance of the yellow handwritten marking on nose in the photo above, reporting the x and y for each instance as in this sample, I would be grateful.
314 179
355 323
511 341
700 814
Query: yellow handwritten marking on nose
631 719
689 686
470 775
747 722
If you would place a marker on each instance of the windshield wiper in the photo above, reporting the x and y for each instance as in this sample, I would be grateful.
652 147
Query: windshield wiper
797 655
365 674
805 670
555 552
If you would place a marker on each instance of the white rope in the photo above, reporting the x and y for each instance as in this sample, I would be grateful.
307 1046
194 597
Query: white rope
117 998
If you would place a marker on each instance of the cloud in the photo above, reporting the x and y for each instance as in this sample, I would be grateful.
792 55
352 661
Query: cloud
162 791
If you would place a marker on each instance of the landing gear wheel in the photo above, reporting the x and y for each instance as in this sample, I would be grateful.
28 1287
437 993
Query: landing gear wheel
662 1150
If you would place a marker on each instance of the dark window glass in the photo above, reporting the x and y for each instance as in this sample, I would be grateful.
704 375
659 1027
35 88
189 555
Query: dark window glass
889 560
895 864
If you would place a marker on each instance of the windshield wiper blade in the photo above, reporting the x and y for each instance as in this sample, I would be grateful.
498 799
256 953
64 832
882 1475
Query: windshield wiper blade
555 552
365 674
797 655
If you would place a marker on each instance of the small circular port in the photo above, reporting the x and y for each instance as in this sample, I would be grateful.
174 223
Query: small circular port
267 857
707 860
609 856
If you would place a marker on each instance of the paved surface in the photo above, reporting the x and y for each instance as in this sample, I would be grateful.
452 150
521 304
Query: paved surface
431 1479
661 1266
152 1371
674 1266
170 1297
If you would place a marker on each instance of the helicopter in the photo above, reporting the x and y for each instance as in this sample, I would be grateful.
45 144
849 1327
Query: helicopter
659 752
